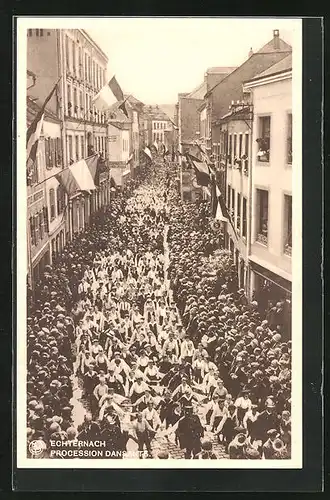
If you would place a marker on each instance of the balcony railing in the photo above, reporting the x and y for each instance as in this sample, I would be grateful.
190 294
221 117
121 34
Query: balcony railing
262 238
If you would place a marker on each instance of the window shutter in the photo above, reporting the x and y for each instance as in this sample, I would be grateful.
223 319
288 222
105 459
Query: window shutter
32 230
45 212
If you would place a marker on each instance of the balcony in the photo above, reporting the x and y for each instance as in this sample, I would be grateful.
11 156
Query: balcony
262 238
264 149
288 250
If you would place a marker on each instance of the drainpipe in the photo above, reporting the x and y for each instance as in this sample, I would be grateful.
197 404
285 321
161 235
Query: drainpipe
249 206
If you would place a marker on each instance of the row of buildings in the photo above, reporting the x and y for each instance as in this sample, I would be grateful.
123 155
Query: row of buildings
242 118
74 129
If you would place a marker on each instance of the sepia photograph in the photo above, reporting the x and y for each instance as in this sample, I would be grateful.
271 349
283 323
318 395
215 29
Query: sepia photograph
159 242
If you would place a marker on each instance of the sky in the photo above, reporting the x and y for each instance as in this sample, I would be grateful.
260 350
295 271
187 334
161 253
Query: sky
156 58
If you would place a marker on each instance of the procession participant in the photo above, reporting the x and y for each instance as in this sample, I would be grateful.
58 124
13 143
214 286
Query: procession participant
190 431
243 404
207 452
143 432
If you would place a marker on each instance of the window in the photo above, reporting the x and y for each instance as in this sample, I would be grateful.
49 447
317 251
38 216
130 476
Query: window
36 229
238 218
262 216
232 203
77 147
230 148
82 147
86 65
70 152
73 58
29 32
60 196
240 145
41 32
52 204
37 32
81 99
244 221
68 89
41 225
264 139
246 154
235 145
289 140
75 101
287 224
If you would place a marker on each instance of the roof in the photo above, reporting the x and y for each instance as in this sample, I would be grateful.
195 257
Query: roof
119 125
198 92
119 116
231 87
281 46
279 67
259 60
169 110
133 101
154 112
221 69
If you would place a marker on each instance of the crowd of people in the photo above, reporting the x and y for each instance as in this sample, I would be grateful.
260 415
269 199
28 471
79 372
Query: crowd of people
163 349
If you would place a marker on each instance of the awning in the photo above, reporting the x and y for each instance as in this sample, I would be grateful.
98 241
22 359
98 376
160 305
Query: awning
275 275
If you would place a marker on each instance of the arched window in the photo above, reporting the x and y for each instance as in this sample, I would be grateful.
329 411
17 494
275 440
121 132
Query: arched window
60 195
52 204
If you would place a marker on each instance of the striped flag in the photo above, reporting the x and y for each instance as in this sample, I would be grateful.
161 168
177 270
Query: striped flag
156 145
222 212
80 176
147 152
109 95
201 170
33 135
130 158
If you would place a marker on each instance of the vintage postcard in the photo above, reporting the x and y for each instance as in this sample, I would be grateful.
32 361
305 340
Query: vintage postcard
159 243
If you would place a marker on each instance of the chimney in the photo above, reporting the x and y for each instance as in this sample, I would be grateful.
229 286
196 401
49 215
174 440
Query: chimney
250 52
276 39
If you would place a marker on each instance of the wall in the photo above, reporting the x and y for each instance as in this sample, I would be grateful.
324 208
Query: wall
273 100
42 59
189 118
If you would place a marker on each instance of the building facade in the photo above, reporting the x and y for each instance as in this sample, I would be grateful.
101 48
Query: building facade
271 184
73 60
72 130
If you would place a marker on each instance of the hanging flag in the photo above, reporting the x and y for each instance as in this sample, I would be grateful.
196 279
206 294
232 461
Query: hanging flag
156 145
174 126
214 199
123 107
147 152
223 212
201 171
108 95
130 158
33 134
79 176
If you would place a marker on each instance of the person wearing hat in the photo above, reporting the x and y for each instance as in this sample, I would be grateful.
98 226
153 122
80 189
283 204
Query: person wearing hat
189 432
269 451
238 446
267 420
243 404
207 452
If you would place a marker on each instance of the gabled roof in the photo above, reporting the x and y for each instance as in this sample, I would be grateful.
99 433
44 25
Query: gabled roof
260 60
231 87
283 65
154 112
198 92
275 45
120 117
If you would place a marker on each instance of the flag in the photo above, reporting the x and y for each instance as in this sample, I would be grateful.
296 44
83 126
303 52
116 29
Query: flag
222 212
80 176
156 145
214 199
201 171
147 152
123 107
174 126
130 158
33 134
108 95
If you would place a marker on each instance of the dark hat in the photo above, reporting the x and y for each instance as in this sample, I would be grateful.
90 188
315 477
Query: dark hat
272 433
